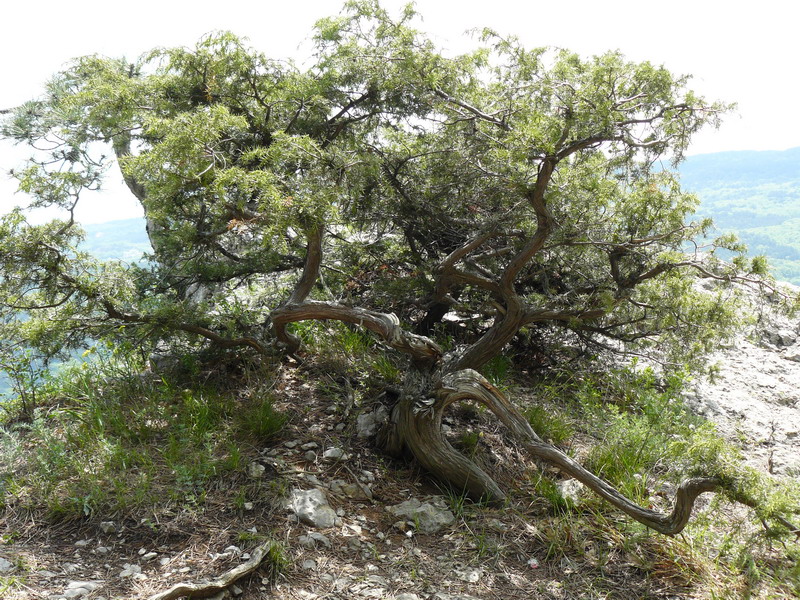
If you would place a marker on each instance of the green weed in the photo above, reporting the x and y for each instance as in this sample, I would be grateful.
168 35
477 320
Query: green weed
498 371
549 425
260 419
276 562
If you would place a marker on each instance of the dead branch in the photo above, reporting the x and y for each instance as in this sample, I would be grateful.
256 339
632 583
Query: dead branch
224 581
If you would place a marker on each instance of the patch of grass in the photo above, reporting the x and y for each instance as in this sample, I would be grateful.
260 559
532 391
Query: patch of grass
260 419
498 371
11 583
647 440
276 562
549 425
468 442
547 489
113 441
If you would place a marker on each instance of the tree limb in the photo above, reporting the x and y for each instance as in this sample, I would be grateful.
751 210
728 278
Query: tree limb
387 326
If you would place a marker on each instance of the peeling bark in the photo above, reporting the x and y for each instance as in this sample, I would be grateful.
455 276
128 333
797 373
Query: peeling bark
422 349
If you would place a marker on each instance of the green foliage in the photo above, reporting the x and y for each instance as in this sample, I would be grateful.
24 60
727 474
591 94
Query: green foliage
276 562
345 350
546 488
647 441
25 372
401 156
468 442
498 371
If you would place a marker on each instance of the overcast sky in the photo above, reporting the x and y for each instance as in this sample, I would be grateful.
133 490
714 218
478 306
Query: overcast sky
747 55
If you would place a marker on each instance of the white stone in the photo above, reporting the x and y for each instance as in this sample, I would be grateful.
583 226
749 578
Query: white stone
108 527
368 424
312 508
570 489
335 454
469 575
128 570
256 470
76 589
426 517
309 565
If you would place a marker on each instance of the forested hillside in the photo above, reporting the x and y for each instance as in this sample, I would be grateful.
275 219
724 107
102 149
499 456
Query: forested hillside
122 240
757 195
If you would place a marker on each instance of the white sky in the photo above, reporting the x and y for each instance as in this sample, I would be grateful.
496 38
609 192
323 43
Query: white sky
747 54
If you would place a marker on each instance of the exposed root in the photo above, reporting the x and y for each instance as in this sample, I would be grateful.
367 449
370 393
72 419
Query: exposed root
422 432
221 583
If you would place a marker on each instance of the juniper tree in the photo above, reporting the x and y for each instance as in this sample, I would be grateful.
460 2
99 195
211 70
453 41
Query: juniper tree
387 186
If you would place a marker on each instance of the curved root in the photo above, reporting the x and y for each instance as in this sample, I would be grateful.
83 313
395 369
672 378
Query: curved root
470 385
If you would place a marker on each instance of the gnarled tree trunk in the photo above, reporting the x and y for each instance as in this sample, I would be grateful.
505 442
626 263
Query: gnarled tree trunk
435 381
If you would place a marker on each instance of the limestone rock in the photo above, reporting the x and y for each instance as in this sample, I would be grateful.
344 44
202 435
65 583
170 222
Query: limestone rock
351 490
5 565
780 337
570 489
754 398
469 575
108 527
335 454
129 570
256 470
426 517
76 589
368 424
314 539
312 508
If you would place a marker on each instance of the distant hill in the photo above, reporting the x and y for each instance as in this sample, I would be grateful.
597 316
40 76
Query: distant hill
123 240
757 196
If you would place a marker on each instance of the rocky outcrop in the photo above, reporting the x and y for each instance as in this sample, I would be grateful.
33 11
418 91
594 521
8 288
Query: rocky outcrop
754 396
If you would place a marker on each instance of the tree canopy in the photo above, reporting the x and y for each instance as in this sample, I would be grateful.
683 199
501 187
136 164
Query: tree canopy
459 202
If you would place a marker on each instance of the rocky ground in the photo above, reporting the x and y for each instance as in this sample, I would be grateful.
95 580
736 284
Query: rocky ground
754 397
354 524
